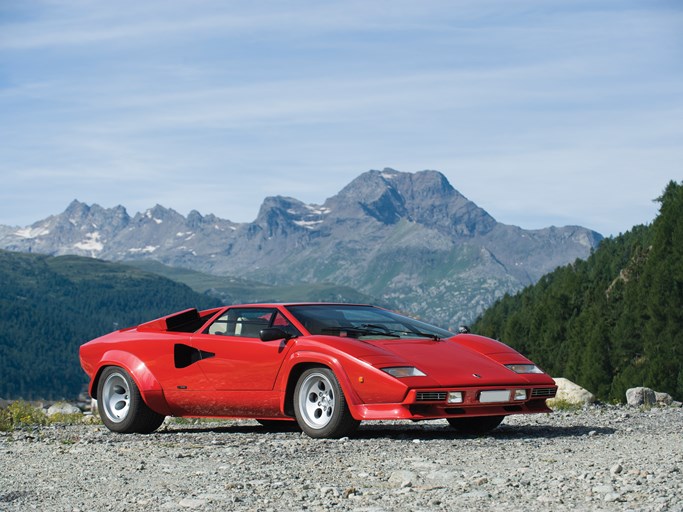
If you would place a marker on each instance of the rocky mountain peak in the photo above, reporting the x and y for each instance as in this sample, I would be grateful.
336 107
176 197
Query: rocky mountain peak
373 194
425 197
194 219
83 217
76 209
285 215
394 235
158 215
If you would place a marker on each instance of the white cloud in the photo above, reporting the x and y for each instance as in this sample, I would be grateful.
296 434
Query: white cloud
176 102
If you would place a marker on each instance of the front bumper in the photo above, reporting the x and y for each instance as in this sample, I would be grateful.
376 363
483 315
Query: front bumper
430 404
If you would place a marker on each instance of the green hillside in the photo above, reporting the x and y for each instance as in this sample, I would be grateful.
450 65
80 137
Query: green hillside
612 322
49 306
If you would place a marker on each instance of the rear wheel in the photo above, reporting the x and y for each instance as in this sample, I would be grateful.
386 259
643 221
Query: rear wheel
121 406
479 425
320 406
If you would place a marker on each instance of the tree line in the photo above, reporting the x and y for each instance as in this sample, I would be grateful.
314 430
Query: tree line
613 321
49 306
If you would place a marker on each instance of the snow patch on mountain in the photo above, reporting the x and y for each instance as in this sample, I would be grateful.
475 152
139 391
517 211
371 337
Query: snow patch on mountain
91 243
31 232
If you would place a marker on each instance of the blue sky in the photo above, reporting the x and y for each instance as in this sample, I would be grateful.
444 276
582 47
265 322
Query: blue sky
542 112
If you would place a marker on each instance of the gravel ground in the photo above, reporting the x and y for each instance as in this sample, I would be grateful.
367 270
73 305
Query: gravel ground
598 458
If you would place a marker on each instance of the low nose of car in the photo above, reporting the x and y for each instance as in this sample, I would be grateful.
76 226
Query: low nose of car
450 364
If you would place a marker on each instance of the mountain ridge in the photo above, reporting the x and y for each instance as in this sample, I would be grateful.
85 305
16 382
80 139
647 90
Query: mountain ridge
408 238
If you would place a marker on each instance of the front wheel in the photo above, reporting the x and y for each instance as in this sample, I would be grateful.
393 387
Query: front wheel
320 406
121 406
479 425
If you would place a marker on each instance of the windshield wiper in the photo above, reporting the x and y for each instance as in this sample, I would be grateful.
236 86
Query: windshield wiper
435 337
373 330
398 333
354 332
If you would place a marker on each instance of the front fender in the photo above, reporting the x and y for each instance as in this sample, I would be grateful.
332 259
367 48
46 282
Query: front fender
310 358
150 389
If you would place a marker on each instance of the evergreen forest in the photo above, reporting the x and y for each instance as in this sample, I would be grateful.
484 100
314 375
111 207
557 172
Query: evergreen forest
49 306
612 322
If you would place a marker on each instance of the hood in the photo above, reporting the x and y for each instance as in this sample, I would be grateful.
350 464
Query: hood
453 364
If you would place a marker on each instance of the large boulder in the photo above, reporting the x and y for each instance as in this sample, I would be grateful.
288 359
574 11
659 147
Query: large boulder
641 396
570 393
635 397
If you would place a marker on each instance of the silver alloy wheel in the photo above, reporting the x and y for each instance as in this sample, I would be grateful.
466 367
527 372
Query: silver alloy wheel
316 400
115 398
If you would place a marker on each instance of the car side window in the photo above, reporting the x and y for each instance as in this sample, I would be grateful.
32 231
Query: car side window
282 323
248 322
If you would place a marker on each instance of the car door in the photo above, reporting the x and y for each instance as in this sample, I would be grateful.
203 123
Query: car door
237 359
174 364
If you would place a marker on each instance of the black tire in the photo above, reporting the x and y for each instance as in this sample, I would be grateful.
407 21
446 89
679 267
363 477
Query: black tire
320 407
121 406
280 425
478 425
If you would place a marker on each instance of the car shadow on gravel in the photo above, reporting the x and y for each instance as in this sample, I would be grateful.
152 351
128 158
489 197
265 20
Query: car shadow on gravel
232 429
503 432
411 431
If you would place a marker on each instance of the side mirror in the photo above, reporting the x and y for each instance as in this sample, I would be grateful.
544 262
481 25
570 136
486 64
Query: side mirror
274 333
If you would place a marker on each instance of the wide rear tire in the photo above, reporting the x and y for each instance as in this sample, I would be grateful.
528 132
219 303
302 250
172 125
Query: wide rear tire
121 406
320 407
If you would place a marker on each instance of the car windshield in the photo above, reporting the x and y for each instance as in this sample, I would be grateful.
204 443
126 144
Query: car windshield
362 322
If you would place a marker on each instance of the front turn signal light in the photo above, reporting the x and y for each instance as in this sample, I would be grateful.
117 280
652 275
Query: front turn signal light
520 394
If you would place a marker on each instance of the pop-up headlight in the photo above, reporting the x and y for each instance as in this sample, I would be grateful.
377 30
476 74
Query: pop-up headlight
403 371
524 368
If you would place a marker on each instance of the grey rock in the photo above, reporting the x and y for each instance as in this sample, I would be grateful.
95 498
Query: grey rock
442 477
635 397
612 496
62 408
476 495
603 489
329 491
192 503
403 478
663 398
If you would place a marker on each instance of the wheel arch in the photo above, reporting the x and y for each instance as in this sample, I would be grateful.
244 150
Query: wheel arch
299 363
150 389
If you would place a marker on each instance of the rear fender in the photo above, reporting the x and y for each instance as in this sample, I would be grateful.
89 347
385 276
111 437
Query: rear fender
150 389
301 360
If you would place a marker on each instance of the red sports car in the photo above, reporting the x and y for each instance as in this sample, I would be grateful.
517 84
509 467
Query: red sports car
326 367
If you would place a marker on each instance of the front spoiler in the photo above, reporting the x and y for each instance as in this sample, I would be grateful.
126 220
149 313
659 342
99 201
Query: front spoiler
412 409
